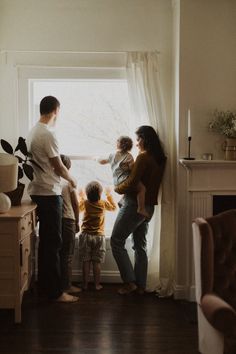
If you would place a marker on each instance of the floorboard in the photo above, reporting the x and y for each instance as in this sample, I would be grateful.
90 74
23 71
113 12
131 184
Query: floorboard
101 323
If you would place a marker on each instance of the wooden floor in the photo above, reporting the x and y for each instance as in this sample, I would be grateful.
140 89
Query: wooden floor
101 323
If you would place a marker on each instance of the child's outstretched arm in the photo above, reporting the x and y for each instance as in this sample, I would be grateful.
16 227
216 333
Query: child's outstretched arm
109 202
75 206
81 200
102 161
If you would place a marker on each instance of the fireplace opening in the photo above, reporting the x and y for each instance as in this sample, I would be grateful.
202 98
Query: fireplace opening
223 202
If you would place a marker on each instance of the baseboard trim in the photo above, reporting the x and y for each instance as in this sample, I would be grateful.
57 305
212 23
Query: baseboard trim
106 276
184 292
192 293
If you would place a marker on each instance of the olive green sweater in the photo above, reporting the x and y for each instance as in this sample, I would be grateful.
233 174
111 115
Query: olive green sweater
147 171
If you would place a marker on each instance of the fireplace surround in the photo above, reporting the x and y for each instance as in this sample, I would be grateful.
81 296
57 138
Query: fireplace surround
207 188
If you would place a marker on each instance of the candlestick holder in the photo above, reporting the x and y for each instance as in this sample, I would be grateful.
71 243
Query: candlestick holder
189 149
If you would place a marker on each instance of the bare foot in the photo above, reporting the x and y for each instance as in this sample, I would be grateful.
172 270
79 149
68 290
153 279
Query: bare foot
73 290
98 287
66 298
143 212
127 289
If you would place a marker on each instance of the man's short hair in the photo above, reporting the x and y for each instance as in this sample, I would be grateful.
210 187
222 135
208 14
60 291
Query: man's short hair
93 191
66 161
48 104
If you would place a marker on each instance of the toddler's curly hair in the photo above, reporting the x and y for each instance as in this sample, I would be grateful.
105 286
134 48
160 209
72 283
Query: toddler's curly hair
125 143
93 191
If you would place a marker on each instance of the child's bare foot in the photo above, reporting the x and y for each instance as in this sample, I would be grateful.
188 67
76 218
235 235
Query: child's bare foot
143 212
73 290
98 287
66 298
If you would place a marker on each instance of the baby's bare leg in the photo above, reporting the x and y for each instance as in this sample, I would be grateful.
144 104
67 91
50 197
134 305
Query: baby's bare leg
86 271
96 274
141 200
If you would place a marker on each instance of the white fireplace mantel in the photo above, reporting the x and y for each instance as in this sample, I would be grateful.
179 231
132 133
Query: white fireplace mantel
210 175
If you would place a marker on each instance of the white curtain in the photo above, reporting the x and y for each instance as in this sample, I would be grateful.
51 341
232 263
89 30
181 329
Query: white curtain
148 108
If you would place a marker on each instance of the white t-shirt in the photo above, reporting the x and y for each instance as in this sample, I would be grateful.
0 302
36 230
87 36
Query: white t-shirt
68 211
42 144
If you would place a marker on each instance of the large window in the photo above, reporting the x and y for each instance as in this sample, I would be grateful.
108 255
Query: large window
94 113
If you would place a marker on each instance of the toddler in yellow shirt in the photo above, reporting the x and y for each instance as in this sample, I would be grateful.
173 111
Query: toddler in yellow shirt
92 242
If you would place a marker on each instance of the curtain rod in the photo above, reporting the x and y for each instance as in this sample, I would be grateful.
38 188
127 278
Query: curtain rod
76 52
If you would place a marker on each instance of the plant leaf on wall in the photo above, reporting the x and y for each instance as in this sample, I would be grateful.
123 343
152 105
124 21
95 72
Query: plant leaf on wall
19 158
29 172
20 172
7 147
22 146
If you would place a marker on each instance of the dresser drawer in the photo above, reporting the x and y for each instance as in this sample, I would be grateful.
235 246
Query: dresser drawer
26 225
25 260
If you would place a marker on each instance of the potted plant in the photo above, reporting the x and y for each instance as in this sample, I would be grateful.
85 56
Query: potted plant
24 167
224 123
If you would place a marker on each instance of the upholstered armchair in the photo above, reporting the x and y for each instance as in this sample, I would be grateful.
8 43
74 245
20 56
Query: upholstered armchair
214 242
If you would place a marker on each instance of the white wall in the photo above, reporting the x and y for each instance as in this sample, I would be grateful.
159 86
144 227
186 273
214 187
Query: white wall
51 33
207 80
75 26
207 69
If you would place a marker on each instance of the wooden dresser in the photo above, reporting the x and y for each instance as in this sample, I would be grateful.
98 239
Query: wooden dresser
17 239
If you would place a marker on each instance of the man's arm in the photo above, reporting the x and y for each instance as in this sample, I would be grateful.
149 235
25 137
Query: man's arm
62 171
75 206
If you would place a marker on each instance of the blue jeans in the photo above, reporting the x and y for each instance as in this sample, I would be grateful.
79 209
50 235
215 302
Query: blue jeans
128 222
49 209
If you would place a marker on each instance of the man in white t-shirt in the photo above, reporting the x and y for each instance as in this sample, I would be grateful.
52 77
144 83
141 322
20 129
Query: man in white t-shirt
45 191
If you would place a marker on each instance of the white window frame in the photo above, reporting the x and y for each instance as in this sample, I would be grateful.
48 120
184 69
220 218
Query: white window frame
28 75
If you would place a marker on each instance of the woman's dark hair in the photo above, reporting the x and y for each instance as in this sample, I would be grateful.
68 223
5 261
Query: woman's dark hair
66 161
93 191
48 104
151 142
125 143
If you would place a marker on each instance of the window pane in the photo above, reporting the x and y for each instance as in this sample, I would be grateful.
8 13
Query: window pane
93 114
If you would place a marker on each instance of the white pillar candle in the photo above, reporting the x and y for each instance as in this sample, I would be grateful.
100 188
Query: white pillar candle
189 124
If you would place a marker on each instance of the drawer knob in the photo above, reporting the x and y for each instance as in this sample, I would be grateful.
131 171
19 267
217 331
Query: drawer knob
23 228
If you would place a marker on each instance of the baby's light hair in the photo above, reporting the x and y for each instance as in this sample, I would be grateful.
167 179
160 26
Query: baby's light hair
125 143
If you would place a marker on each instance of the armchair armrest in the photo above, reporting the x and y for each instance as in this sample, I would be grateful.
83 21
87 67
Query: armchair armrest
219 313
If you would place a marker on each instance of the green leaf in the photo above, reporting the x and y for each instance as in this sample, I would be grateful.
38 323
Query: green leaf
20 173
6 147
22 146
29 172
19 158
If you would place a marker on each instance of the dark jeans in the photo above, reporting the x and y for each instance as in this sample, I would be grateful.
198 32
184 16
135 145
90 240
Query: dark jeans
49 209
67 251
128 222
